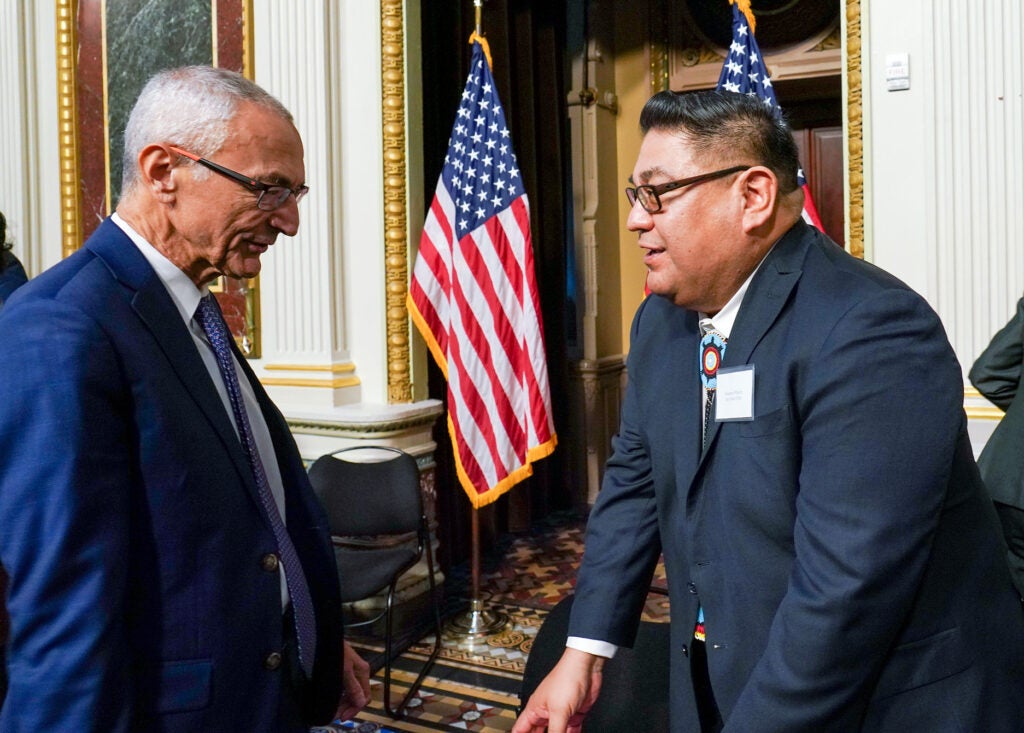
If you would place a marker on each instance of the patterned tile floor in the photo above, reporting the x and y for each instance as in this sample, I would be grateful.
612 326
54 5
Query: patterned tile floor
475 686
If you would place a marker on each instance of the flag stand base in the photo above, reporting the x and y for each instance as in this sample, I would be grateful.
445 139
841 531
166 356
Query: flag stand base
477 622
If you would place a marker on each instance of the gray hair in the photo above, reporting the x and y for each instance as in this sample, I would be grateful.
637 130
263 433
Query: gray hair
190 107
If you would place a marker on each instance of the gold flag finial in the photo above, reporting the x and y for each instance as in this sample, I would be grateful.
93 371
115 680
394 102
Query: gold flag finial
478 34
744 6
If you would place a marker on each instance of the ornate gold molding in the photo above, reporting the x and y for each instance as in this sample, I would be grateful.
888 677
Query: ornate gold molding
984 413
833 40
658 48
854 130
340 368
248 59
336 383
67 115
396 264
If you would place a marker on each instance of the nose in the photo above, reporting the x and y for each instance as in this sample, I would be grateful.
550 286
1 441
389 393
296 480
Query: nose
285 218
639 219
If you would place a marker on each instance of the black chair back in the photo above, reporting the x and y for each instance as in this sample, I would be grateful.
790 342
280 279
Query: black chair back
368 490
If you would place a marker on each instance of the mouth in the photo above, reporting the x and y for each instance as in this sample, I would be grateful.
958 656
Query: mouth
259 246
651 253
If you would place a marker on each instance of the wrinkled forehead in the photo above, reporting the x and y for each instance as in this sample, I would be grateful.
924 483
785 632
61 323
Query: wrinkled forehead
267 139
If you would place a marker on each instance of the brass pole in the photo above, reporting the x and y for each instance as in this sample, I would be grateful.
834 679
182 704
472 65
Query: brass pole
474 625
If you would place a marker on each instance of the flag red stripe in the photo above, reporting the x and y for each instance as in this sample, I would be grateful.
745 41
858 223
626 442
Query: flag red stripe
474 297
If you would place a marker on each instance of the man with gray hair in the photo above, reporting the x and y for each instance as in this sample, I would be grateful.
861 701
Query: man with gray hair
170 567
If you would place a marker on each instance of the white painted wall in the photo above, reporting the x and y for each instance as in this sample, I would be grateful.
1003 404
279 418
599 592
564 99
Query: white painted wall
946 180
945 165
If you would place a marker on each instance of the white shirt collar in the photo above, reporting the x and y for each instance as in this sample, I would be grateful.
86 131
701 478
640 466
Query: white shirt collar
726 318
182 290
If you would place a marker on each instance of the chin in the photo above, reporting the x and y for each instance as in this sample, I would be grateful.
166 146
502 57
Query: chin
244 273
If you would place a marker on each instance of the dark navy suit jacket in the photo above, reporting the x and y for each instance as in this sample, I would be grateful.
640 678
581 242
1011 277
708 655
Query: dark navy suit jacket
130 522
841 544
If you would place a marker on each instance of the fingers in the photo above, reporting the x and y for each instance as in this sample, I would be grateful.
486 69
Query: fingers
355 679
531 721
357 672
347 712
563 698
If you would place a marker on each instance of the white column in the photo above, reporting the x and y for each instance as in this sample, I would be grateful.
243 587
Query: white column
29 188
323 295
321 292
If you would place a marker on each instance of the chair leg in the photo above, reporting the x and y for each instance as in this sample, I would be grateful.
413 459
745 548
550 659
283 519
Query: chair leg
400 710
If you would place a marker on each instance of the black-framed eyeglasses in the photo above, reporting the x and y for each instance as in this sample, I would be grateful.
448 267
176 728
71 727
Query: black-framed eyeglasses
650 196
270 196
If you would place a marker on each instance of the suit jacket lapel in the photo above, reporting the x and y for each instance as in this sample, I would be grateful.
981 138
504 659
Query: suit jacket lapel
157 311
767 294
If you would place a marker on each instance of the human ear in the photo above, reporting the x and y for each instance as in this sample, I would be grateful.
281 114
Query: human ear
156 169
760 193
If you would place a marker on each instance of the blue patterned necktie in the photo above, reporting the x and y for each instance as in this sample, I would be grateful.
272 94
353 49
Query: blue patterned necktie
209 318
712 349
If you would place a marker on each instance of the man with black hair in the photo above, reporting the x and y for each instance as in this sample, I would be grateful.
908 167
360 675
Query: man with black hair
12 274
793 441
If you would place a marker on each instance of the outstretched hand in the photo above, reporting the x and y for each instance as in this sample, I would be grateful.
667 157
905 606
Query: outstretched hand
356 684
564 697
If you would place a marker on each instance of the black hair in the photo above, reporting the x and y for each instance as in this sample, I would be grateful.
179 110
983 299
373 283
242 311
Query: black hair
728 125
4 246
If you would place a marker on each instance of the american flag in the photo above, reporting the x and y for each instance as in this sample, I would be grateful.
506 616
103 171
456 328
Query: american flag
744 72
473 297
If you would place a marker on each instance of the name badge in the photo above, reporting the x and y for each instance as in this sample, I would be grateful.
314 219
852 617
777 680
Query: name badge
734 395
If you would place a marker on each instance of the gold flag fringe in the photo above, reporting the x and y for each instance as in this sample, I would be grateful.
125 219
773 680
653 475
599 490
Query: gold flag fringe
744 6
487 49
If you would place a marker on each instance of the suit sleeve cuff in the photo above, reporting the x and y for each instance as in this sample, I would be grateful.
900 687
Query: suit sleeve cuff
592 646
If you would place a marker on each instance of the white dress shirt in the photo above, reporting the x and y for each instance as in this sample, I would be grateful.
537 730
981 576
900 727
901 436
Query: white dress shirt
186 297
723 322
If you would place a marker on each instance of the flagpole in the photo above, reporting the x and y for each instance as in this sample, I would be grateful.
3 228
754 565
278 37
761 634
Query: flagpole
477 622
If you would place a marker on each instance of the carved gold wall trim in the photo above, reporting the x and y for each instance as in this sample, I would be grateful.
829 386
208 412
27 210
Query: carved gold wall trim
396 263
658 48
832 41
342 368
984 413
854 130
336 383
67 115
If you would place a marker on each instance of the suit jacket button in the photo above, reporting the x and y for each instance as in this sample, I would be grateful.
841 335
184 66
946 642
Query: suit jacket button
269 562
273 661
686 652
692 587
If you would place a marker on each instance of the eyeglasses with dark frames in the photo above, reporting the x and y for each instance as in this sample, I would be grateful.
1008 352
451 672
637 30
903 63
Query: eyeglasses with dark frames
650 196
270 196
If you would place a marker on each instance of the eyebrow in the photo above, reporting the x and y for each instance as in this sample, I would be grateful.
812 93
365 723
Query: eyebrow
648 174
277 179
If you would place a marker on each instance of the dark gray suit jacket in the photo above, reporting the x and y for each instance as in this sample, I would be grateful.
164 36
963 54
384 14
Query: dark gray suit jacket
841 543
998 374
